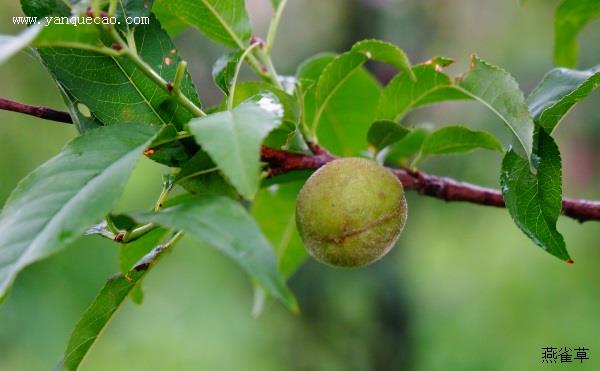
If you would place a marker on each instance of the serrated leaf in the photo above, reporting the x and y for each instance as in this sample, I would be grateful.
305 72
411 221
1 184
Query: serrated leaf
224 69
458 139
345 116
55 204
114 89
534 200
498 90
386 53
233 139
383 133
558 92
280 200
102 309
570 18
225 22
225 225
11 45
332 78
402 93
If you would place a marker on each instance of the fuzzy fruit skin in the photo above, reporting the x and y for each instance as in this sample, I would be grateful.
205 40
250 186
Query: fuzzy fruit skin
350 212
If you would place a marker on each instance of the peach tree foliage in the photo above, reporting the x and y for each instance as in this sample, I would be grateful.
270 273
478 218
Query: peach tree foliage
129 94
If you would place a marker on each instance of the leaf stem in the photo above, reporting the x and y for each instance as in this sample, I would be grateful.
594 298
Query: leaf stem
274 26
237 73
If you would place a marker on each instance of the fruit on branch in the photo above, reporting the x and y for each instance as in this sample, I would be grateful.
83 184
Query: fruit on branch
350 212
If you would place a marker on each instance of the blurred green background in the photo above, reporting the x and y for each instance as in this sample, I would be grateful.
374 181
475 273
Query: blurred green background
463 290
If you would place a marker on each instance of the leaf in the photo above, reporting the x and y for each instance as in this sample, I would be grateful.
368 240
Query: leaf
312 68
275 212
42 8
224 224
131 253
558 92
11 45
114 89
383 133
225 22
224 69
288 135
497 89
409 146
332 78
458 139
80 114
104 306
170 22
55 204
386 53
403 94
570 18
201 176
535 200
233 139
247 89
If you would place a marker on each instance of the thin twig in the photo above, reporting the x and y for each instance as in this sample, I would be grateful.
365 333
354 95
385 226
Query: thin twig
447 189
37 111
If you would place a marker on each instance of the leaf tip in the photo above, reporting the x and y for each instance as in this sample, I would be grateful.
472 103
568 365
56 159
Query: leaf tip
569 261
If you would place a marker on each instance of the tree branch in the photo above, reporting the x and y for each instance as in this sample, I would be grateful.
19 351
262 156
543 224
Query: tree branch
447 189
41 112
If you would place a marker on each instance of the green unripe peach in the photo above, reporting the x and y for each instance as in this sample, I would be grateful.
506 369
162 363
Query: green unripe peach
350 212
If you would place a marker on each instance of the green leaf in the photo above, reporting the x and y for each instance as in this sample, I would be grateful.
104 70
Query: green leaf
224 224
497 90
535 200
247 89
558 92
233 139
570 18
54 205
403 94
458 139
42 8
312 68
80 114
386 53
288 135
201 176
224 69
11 45
383 133
409 146
347 114
104 306
275 212
335 74
68 36
114 89
225 22
170 22
131 253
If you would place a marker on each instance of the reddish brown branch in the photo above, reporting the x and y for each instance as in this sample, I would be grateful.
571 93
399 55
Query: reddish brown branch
447 189
37 111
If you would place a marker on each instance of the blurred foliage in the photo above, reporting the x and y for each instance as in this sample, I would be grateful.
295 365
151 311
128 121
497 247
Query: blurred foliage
462 290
